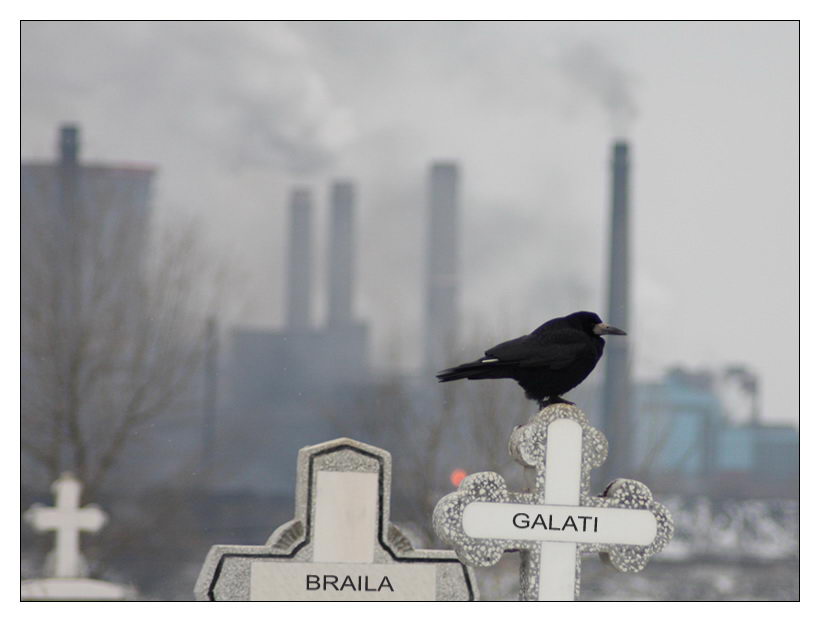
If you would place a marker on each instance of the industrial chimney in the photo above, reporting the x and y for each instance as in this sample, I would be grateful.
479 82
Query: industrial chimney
617 380
69 146
340 255
300 266
442 253
69 172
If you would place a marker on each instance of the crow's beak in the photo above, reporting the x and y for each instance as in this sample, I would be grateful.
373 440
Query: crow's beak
602 328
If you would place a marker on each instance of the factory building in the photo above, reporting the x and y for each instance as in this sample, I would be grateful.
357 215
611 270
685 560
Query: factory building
684 442
68 205
84 231
288 384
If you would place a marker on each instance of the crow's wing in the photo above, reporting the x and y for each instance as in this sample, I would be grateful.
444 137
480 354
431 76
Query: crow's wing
532 351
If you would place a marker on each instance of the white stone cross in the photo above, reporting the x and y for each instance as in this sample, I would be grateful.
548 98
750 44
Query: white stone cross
341 545
67 519
557 521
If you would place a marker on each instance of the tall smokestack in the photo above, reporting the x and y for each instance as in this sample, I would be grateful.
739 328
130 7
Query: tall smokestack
617 380
68 149
340 255
69 146
442 268
300 266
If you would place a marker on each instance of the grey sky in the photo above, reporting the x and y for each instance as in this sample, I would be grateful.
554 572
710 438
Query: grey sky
233 114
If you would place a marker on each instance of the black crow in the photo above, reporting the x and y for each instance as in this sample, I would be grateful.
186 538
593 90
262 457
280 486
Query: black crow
553 359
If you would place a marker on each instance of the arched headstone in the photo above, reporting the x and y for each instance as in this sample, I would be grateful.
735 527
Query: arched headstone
340 546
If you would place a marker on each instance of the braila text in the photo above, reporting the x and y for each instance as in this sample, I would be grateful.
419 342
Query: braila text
579 523
328 582
343 582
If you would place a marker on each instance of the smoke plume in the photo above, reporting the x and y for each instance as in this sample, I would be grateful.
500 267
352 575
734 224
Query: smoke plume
247 95
595 74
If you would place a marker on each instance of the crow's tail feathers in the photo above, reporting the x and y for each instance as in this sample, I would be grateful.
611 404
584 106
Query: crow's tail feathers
483 368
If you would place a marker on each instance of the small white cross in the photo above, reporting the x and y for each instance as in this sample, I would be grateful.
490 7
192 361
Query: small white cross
558 519
67 519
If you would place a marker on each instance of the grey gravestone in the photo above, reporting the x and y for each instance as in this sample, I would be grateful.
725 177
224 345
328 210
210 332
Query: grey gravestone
340 546
558 520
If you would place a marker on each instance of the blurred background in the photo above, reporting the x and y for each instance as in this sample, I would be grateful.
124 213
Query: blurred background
241 238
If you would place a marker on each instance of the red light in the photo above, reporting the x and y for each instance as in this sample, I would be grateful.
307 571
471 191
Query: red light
457 476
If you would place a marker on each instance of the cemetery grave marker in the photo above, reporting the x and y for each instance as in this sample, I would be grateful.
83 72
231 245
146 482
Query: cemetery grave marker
340 546
552 525
65 568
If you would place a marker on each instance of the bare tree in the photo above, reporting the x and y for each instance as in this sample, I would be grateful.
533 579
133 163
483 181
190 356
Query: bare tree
113 324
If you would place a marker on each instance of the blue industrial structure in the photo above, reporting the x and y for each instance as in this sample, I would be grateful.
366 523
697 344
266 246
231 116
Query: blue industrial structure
684 441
